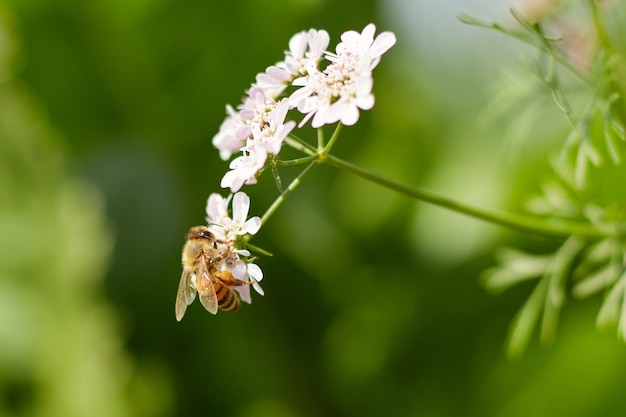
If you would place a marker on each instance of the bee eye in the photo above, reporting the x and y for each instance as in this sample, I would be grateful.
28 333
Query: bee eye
205 234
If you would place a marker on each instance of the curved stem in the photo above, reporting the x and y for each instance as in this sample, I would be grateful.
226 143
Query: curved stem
332 140
514 221
300 145
297 161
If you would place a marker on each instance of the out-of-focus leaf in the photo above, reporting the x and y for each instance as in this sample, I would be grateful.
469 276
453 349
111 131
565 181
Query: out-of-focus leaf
612 307
596 281
515 267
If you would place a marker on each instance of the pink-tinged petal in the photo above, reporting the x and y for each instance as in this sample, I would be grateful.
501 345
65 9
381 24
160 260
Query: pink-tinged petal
240 271
232 180
241 205
216 207
243 132
244 293
298 44
279 74
280 111
318 41
286 129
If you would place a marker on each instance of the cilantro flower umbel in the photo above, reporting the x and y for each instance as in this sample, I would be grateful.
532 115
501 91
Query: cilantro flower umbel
326 87
224 226
244 169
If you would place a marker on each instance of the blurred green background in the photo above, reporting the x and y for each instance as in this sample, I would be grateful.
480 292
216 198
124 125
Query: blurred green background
373 305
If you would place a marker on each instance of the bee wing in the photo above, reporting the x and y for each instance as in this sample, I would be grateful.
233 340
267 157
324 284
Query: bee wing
206 290
186 293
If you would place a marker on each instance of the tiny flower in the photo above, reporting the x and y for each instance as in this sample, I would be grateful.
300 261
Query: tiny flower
218 218
271 134
274 80
247 272
232 134
363 46
217 209
244 169
241 206
305 51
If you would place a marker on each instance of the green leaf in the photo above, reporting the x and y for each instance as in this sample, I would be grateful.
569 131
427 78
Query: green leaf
515 267
613 304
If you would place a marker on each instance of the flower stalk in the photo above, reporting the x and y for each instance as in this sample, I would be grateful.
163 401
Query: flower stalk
557 228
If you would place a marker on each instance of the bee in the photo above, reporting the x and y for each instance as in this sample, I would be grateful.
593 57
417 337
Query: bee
201 258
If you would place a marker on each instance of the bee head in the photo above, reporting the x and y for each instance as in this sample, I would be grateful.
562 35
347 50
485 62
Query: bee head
200 232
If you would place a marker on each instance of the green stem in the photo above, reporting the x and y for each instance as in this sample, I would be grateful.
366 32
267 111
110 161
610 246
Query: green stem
300 145
332 140
514 221
290 188
530 40
297 161
599 26
320 138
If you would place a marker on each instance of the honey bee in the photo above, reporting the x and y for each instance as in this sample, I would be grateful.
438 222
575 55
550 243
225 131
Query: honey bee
201 258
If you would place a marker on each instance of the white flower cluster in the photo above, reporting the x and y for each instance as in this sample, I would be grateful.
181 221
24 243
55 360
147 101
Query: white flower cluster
227 230
326 88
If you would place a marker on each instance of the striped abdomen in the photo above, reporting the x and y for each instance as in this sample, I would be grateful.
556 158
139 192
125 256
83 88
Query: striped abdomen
227 299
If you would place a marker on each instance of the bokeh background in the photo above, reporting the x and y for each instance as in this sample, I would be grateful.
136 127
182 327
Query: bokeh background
373 304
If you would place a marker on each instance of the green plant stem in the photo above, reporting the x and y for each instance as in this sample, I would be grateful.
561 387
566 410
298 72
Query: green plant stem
598 24
470 20
299 145
514 221
290 188
320 138
332 141
297 161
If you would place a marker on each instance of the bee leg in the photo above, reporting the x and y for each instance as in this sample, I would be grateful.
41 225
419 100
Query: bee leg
229 280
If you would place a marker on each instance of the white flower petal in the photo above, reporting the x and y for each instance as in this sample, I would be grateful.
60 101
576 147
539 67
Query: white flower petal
255 272
382 44
232 180
350 115
258 288
252 225
215 207
241 205
242 252
298 44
